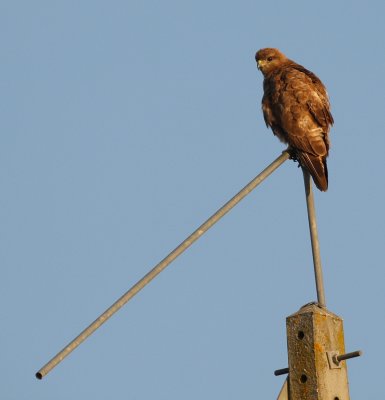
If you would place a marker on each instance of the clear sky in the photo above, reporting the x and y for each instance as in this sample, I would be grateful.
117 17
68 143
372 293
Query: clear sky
124 125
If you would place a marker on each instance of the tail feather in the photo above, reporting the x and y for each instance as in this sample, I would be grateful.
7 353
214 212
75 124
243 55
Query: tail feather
317 167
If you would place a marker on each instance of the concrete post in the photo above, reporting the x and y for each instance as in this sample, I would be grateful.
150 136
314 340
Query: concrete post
315 337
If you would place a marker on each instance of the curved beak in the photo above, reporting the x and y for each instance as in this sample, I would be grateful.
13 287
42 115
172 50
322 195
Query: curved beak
260 64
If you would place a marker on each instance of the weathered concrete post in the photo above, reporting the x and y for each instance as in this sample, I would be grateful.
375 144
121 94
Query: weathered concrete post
315 338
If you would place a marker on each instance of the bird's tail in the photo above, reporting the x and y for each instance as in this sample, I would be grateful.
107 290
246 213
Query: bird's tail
317 167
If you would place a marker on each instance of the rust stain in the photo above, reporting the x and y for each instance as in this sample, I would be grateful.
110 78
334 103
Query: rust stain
318 347
340 340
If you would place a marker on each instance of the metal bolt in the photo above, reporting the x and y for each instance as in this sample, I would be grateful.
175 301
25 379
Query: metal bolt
282 371
337 359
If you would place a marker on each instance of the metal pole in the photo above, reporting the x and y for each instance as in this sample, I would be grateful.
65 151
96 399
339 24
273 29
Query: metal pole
314 239
162 265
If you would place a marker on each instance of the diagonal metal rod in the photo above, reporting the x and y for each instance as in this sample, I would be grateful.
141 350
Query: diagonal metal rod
162 265
315 247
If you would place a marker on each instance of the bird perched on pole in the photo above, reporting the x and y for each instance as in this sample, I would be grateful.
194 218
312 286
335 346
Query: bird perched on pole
296 107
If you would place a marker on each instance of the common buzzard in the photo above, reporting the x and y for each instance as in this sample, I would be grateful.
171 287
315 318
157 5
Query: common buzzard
296 107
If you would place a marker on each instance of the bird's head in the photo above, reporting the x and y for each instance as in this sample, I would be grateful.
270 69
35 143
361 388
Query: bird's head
269 59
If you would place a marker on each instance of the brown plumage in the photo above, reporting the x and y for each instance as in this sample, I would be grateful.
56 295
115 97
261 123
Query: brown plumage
296 106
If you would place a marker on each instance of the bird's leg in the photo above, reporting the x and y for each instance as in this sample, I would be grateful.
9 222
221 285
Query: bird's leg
293 155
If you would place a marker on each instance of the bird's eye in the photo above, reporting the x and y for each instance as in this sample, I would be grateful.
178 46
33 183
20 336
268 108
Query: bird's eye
270 58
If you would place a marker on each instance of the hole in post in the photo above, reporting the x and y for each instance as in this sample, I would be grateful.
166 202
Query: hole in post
38 375
336 398
301 335
303 378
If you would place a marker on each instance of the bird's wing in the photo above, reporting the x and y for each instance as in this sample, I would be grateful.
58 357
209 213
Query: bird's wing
305 112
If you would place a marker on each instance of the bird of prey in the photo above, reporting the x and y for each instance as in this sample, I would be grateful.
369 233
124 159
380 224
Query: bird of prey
296 107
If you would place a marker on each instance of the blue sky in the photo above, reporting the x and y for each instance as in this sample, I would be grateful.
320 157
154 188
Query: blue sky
125 124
